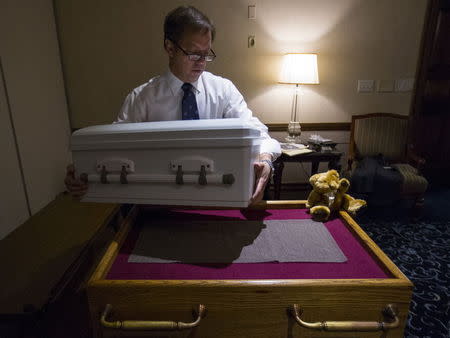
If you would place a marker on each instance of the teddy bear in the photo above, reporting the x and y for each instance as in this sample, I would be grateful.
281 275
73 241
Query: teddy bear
329 194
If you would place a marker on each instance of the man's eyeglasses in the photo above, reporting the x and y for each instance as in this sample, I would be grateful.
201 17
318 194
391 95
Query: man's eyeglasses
197 57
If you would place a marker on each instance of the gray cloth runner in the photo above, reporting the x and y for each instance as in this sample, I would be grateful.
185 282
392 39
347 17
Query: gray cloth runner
201 242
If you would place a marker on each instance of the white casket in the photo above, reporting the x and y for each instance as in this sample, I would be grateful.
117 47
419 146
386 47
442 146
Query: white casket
200 162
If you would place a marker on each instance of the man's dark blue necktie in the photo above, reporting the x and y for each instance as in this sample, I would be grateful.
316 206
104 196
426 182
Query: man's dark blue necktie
189 110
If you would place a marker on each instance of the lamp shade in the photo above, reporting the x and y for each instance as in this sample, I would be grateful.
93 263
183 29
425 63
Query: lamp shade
299 69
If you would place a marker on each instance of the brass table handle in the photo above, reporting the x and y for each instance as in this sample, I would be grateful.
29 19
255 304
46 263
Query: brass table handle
148 324
389 312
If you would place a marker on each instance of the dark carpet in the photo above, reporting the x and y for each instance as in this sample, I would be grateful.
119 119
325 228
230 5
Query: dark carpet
421 249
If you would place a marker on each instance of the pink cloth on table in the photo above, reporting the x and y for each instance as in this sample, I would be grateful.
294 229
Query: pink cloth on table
359 262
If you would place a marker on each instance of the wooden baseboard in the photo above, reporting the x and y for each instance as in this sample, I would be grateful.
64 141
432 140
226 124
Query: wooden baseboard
339 126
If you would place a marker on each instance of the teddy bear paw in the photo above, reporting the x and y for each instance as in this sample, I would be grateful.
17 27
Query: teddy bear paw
320 213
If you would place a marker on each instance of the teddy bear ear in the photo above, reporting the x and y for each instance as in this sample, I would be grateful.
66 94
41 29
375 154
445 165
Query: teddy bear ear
332 172
344 182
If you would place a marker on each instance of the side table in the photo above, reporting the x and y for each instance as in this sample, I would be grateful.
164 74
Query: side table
314 158
47 260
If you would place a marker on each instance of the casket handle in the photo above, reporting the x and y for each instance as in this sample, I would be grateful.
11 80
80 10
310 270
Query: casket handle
179 177
123 176
202 177
103 176
389 312
148 324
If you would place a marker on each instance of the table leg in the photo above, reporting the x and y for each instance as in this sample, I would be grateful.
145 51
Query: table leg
334 164
314 167
278 173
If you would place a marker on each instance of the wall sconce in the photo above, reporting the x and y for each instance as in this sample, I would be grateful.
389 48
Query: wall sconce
298 69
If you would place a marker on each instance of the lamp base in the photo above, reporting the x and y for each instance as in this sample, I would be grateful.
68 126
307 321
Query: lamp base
294 132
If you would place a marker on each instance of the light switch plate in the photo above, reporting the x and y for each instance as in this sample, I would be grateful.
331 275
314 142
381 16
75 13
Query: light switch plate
385 86
404 85
365 86
252 12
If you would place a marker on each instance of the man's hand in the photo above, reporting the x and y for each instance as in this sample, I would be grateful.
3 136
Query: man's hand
263 172
77 187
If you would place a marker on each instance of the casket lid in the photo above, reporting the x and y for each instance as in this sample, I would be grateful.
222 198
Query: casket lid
166 133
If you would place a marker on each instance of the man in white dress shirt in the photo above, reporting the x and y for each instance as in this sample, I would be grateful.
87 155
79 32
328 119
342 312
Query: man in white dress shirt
188 35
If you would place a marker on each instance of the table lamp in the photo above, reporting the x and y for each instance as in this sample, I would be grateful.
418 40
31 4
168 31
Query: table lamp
298 69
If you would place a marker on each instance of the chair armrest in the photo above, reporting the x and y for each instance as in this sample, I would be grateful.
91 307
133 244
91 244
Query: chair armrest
419 162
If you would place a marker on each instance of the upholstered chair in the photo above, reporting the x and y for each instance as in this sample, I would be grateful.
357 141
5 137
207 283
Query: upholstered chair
387 134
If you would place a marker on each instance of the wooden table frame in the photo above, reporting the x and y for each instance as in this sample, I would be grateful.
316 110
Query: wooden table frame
314 158
169 294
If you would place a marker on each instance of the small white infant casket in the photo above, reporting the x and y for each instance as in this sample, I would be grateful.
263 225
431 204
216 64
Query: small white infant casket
195 162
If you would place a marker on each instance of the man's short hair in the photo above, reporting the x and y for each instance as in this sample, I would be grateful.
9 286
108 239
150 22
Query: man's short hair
186 18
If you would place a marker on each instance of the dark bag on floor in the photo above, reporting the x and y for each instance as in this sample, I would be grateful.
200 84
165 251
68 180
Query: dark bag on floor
376 181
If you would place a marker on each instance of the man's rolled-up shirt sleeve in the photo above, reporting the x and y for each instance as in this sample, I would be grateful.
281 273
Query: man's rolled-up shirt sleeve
236 107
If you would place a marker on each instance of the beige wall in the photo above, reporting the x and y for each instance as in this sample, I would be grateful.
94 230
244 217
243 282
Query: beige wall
110 47
37 111
13 200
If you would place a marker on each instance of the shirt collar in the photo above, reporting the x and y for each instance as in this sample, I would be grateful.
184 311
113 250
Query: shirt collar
175 83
